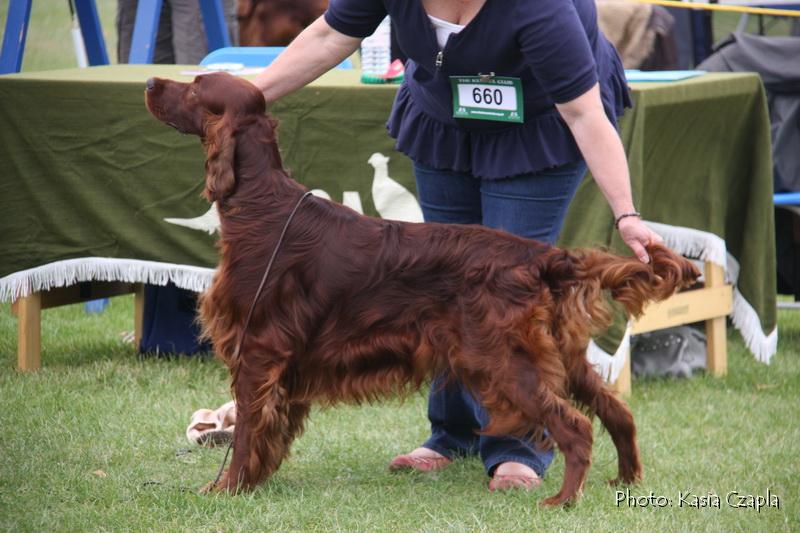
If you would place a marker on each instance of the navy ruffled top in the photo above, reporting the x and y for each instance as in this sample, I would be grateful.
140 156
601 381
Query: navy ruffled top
553 46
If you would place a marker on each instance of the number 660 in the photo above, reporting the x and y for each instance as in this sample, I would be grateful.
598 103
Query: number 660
487 96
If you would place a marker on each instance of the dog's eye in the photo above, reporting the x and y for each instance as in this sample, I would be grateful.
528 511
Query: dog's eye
194 93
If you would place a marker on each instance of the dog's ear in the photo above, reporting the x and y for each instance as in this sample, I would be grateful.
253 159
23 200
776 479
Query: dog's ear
220 144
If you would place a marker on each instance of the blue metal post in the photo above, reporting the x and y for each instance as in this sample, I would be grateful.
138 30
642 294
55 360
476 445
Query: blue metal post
19 13
214 22
145 28
92 32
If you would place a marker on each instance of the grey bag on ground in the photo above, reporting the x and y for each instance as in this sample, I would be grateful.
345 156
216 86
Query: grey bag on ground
672 352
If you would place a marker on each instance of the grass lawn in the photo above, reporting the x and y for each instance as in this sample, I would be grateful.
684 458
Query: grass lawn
95 441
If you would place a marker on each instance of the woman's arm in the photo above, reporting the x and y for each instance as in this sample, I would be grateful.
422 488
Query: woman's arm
315 51
602 149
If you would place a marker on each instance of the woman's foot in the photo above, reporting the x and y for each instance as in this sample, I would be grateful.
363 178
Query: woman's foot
511 475
421 459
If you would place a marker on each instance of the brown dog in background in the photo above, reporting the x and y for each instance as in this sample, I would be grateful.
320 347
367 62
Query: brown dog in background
275 22
357 308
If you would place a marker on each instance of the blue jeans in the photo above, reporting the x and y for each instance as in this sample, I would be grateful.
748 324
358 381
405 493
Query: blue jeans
530 205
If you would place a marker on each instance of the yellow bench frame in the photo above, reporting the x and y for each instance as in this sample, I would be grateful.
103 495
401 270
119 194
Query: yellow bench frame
28 310
712 303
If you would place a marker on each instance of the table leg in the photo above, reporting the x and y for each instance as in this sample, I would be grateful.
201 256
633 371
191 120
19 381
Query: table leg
622 385
716 334
29 328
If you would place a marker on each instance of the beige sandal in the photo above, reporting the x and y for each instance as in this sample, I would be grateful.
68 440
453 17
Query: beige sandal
513 481
227 415
212 428
421 464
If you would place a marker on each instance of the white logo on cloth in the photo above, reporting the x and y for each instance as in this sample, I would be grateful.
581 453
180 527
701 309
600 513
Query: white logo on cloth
391 199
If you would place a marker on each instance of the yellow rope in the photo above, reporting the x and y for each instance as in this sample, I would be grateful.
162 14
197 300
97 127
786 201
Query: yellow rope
718 7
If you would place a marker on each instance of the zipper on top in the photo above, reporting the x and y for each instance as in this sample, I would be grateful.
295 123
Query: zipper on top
440 54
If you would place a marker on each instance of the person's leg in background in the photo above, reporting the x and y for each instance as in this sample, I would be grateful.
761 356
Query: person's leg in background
532 206
126 16
125 20
447 196
452 198
230 10
188 30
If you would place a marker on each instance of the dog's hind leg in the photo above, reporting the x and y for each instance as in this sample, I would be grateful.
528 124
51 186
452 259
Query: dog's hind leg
520 399
572 432
588 388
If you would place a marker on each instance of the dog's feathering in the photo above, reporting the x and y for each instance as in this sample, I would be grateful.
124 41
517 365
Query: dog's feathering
358 308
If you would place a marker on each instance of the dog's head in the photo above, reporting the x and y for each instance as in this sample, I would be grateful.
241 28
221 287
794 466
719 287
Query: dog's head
214 107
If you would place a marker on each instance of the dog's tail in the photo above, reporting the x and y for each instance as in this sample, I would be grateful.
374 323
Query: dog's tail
629 281
633 283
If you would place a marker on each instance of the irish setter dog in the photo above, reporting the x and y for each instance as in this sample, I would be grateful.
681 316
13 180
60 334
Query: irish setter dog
356 307
275 22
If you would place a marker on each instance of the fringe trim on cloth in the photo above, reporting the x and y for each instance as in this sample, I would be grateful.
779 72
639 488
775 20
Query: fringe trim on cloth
746 320
693 243
607 365
72 271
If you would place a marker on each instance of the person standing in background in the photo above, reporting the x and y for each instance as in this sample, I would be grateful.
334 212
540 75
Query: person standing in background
181 34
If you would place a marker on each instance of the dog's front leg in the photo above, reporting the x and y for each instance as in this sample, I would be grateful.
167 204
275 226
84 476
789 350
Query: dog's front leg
266 423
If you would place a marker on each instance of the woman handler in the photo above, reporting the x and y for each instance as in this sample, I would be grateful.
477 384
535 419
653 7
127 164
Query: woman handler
539 91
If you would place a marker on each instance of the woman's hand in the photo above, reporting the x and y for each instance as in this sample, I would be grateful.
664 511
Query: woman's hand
638 236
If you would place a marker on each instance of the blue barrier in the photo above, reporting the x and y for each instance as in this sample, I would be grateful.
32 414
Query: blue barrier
19 13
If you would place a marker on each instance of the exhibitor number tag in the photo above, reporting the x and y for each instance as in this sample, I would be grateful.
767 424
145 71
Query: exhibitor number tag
487 98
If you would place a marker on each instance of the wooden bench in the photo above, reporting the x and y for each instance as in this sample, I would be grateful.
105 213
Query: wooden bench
712 303
28 310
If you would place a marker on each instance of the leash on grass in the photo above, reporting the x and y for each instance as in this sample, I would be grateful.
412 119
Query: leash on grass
180 488
253 307
151 483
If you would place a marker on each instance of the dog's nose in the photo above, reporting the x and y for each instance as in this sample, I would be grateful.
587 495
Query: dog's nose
151 83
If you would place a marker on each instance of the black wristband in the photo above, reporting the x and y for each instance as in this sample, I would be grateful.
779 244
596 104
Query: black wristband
625 215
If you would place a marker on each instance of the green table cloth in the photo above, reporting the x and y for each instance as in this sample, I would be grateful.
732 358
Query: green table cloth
89 177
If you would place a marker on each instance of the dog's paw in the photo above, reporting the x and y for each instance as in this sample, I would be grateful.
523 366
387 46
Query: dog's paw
217 485
209 488
629 478
558 500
